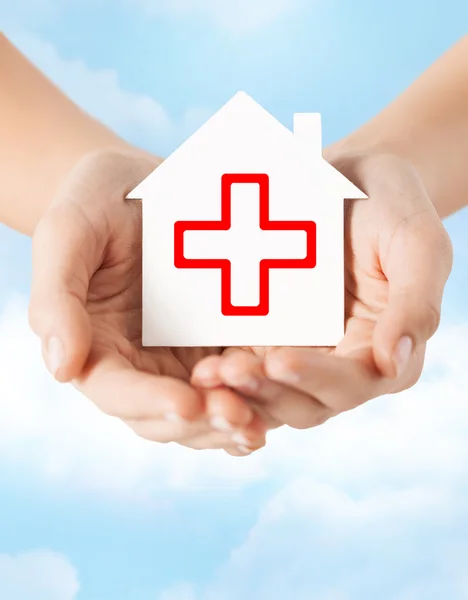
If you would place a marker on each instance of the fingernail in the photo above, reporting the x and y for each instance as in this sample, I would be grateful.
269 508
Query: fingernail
221 424
402 354
206 378
173 417
249 384
279 371
240 440
245 449
54 355
239 379
290 377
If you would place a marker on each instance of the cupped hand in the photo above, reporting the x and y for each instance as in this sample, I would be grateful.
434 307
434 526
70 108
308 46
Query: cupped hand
398 258
86 308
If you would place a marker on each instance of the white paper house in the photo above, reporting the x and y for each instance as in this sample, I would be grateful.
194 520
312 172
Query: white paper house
206 248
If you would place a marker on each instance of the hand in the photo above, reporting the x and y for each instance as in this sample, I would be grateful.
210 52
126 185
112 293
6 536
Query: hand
398 259
86 308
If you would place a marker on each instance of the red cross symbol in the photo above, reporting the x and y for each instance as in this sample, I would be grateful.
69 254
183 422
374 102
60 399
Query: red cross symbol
224 264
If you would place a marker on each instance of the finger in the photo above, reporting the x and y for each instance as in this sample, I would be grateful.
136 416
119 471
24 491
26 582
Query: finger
206 372
248 432
221 442
417 266
336 383
199 434
226 410
242 451
164 431
240 442
239 452
120 390
283 403
63 251
225 417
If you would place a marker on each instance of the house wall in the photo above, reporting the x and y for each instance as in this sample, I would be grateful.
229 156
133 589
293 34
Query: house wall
181 307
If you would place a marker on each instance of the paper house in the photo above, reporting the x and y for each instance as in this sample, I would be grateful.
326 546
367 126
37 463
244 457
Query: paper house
243 238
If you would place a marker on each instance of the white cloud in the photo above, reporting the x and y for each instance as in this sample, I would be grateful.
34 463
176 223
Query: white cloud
375 503
238 16
40 575
52 432
315 541
137 117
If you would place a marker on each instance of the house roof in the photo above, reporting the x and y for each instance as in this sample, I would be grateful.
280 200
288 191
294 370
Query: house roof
243 112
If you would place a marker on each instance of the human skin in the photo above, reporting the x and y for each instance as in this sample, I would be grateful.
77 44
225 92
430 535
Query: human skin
43 136
427 126
397 261
64 181
88 290
411 156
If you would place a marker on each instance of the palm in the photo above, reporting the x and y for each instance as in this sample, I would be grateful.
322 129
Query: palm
366 286
114 297
114 303
374 235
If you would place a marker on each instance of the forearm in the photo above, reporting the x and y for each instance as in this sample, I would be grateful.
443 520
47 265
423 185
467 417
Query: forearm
42 136
428 126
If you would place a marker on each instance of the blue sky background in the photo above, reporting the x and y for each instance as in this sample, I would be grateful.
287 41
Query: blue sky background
370 506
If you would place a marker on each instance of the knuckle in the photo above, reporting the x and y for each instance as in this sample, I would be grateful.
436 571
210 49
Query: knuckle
422 318
285 360
431 315
146 432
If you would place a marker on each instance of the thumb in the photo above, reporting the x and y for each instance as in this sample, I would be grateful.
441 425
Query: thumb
63 246
417 265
